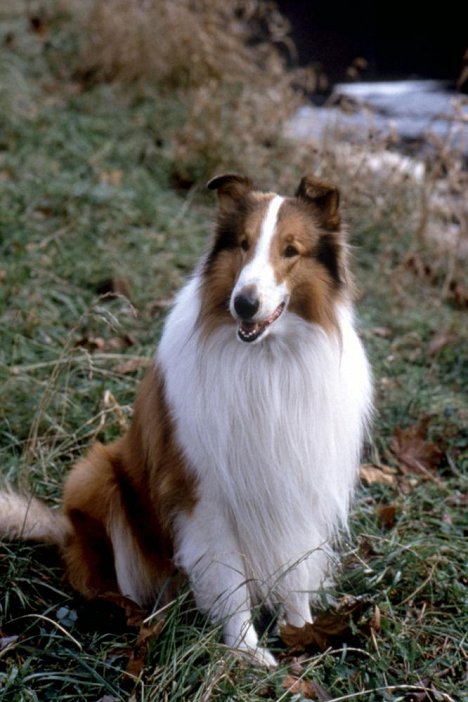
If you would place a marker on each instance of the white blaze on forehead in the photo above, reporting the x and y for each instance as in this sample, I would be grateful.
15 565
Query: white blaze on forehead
259 272
268 228
260 264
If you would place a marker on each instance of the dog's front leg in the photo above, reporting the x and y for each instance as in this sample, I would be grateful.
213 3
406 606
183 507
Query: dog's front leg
297 609
208 552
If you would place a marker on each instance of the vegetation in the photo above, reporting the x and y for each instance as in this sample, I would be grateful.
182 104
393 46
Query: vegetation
103 213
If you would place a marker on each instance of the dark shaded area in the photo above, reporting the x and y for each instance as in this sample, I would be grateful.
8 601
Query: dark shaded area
398 40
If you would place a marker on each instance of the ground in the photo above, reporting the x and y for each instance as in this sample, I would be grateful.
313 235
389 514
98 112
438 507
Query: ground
97 235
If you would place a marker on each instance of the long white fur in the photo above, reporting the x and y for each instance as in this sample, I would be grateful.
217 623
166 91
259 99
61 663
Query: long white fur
273 433
26 517
133 579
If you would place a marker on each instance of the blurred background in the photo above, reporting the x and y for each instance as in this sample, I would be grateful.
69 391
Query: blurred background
398 40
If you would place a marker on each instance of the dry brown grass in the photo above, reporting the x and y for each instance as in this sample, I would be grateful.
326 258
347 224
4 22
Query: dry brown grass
225 62
182 42
222 68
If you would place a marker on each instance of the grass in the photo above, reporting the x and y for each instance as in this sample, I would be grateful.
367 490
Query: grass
88 205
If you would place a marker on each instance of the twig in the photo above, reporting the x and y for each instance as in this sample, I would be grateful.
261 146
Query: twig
423 584
56 624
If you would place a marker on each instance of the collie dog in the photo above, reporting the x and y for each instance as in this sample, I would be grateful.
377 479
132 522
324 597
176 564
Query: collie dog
244 447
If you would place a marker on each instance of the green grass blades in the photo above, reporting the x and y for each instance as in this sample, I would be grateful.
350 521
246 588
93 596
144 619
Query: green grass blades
94 242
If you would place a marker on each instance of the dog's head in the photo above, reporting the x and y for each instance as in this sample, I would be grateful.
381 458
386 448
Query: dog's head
274 256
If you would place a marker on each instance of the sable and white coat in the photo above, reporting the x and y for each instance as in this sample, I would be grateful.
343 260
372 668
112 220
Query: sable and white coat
242 457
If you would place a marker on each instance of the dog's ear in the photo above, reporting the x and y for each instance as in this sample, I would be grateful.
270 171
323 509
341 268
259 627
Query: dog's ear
325 197
231 188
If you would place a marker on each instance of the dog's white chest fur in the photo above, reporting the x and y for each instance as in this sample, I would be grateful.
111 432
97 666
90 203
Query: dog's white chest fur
273 433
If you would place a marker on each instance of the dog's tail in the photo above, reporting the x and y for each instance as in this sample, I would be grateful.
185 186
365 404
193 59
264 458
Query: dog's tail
26 518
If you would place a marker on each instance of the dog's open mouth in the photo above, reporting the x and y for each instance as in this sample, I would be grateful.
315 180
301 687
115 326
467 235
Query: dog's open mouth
251 331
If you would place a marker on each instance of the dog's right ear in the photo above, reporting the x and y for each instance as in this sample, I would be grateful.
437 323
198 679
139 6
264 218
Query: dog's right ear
231 188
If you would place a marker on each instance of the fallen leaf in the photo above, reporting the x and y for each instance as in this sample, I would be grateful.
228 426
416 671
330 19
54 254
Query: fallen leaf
296 666
328 628
383 332
376 473
307 689
91 343
414 453
113 177
138 655
98 343
113 286
387 515
439 342
132 365
119 342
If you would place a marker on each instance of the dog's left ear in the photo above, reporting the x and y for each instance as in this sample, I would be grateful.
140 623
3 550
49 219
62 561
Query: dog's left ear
231 188
325 197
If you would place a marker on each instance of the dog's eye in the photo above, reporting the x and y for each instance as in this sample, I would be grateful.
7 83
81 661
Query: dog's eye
290 251
245 245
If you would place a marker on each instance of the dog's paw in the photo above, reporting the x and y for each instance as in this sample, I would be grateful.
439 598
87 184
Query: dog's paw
258 656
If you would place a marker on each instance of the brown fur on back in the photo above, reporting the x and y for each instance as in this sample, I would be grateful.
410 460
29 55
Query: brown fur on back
140 478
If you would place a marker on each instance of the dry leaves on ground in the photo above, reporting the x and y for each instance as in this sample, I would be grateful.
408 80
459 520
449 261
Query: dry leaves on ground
415 454
113 287
307 689
328 629
456 291
383 332
132 365
387 515
439 342
113 178
117 613
98 343
147 634
372 473
417 457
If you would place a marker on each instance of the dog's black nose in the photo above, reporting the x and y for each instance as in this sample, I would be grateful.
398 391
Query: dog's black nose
246 304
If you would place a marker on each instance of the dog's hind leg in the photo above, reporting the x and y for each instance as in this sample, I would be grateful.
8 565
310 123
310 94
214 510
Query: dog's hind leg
116 543
89 493
88 557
